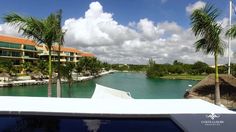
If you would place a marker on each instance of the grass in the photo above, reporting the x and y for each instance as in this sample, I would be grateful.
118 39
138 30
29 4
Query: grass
184 77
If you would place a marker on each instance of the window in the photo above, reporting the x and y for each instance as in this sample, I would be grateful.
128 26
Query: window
28 54
29 47
10 45
4 53
17 54
67 53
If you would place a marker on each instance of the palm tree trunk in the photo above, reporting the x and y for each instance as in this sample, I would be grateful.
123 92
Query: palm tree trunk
59 74
50 73
69 88
217 84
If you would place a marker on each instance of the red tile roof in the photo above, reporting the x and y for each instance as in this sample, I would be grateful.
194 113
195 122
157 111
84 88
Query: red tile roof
66 49
84 54
16 40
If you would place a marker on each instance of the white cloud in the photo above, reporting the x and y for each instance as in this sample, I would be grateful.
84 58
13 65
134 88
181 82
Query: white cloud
197 5
6 29
99 33
148 29
165 42
96 28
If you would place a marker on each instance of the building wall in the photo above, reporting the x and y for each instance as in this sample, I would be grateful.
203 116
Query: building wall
17 52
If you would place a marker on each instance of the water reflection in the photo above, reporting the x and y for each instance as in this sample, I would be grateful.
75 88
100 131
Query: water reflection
93 125
74 124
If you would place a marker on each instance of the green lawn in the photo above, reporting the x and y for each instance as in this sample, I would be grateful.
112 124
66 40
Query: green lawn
184 77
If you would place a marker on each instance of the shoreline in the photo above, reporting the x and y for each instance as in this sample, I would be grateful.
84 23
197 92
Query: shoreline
45 81
171 77
184 77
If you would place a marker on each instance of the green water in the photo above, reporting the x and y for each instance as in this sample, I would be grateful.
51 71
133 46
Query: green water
137 84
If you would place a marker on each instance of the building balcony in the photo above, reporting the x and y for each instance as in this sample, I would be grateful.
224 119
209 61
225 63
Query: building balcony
14 49
29 58
10 57
61 60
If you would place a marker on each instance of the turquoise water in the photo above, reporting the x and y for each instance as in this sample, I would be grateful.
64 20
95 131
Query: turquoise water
137 84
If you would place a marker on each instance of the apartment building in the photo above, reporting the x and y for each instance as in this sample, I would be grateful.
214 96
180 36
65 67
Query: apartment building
22 50
18 49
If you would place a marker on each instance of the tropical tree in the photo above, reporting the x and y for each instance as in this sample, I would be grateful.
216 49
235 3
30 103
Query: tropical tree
41 66
7 66
27 66
66 71
206 28
95 66
200 67
43 31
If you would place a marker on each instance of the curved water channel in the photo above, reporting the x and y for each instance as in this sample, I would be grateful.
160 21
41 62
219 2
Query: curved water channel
137 84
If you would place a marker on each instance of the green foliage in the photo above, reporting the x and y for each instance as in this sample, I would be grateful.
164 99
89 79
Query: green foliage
7 66
27 66
90 66
178 68
156 70
106 66
233 69
66 73
200 67
129 67
41 66
205 26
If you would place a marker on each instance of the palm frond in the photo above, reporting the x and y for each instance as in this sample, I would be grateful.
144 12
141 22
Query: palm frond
204 25
231 32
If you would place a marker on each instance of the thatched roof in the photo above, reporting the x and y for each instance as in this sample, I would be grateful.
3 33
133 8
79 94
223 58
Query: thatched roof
5 74
36 75
205 89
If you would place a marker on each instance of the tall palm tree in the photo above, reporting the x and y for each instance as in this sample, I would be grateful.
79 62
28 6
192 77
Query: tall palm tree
41 30
208 31
60 42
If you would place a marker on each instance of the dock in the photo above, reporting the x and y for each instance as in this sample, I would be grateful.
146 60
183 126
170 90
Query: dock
22 83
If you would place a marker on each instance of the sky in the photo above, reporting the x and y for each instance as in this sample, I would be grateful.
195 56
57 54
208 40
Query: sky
125 31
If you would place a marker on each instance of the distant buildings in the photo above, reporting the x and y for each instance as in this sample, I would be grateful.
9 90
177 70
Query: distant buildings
213 66
22 50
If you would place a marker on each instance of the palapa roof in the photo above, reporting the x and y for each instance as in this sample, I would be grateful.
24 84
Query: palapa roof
205 89
4 74
226 81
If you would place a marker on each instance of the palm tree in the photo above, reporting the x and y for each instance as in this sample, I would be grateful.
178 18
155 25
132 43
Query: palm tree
26 67
208 31
41 30
7 66
60 42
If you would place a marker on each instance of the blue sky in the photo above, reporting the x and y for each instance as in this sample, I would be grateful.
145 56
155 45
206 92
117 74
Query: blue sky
124 11
125 31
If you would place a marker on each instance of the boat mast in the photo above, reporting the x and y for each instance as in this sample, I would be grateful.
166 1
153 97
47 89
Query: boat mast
229 45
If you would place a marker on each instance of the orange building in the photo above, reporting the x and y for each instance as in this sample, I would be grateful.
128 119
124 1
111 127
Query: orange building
24 50
18 49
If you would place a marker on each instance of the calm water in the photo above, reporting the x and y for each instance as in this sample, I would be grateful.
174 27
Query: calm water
136 83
